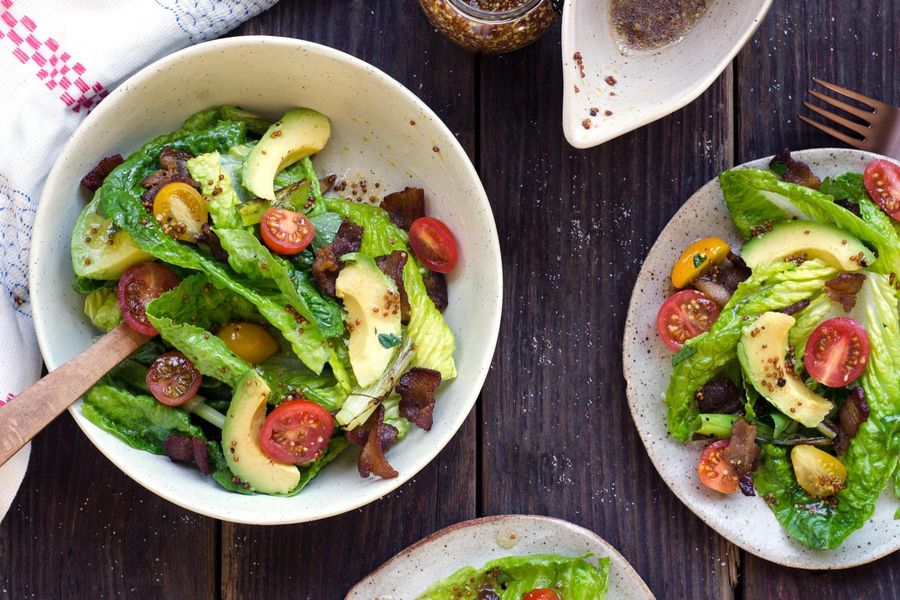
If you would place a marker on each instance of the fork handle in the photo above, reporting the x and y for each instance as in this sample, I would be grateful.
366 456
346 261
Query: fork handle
32 410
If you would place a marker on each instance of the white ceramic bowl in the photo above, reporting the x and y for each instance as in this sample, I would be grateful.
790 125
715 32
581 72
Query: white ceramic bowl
747 522
648 85
373 136
478 541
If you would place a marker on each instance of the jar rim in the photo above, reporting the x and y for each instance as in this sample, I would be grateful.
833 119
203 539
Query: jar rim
487 15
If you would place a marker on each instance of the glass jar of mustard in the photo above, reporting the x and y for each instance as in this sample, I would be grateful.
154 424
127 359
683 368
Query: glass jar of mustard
492 26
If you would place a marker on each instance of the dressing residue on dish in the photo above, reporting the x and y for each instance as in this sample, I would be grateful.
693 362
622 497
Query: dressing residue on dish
648 25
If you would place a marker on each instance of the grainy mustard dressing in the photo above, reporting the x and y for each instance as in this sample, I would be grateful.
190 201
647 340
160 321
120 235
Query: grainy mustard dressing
652 24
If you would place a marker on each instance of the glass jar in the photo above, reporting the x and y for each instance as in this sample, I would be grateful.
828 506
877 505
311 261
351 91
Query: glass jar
492 26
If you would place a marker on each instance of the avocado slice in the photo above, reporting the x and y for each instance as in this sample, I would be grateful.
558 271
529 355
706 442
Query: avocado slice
761 351
813 240
240 440
298 134
99 249
373 316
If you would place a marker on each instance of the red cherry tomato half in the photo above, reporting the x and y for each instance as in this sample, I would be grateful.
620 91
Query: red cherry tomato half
837 352
685 315
285 231
173 379
296 432
434 244
541 594
137 287
714 472
882 179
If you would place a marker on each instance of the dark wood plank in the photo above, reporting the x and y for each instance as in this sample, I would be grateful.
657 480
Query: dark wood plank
853 44
80 528
574 228
332 555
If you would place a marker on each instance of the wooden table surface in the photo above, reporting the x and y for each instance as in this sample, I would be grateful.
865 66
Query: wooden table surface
551 433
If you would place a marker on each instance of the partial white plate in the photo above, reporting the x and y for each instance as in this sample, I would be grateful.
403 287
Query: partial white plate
746 522
649 85
475 542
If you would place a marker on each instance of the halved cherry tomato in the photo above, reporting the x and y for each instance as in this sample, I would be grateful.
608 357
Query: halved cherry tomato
285 231
541 594
696 258
818 472
296 432
837 352
173 379
882 179
434 244
137 287
180 210
684 315
250 341
714 472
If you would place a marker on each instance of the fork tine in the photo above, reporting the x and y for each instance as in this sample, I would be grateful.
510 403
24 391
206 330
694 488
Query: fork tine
871 102
856 112
852 141
862 130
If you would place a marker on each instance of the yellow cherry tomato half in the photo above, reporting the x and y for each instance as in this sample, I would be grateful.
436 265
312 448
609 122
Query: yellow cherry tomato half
180 210
696 258
249 341
818 472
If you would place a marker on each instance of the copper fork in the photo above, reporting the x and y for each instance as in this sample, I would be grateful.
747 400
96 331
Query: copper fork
880 127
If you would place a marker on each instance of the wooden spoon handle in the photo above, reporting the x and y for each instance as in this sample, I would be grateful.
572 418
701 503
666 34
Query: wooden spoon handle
32 410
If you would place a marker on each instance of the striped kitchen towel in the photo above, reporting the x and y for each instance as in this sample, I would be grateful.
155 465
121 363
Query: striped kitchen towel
58 59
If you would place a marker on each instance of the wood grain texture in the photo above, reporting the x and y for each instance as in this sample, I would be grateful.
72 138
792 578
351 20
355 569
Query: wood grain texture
574 228
80 528
330 556
853 44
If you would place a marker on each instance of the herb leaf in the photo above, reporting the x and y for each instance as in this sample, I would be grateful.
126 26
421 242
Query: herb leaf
388 340
699 259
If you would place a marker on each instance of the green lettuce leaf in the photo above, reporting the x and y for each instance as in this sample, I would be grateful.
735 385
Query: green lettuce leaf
872 455
102 308
514 576
432 337
285 374
217 187
770 287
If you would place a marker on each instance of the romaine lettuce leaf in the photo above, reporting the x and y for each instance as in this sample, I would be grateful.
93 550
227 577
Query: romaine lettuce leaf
216 185
102 308
285 374
770 287
432 337
514 576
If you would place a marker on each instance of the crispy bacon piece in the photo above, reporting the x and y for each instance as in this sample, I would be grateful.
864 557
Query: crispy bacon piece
796 307
436 288
793 171
392 265
173 168
327 263
207 236
741 453
851 206
379 437
853 413
182 448
719 396
94 179
843 289
405 207
416 388
720 281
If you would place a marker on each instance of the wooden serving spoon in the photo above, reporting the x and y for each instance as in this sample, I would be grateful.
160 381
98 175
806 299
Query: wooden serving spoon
32 410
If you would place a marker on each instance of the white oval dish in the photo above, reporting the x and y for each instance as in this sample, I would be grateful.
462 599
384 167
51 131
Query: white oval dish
746 522
381 131
649 85
475 542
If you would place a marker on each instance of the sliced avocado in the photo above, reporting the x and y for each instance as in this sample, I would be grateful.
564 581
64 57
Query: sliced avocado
100 250
811 240
763 346
373 316
298 134
240 440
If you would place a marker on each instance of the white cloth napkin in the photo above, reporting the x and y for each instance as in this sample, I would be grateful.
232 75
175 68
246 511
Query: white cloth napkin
58 59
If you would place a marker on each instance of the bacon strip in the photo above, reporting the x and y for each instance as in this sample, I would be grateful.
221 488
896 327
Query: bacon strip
741 453
327 263
853 413
173 168
416 388
405 207
436 288
844 288
794 171
392 265
94 179
719 396
182 448
376 438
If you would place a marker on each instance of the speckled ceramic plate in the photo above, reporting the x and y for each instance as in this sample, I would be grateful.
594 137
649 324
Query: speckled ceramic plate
476 542
747 522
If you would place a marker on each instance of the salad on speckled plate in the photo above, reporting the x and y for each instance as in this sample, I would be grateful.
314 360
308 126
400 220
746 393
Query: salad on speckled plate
787 354
291 324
